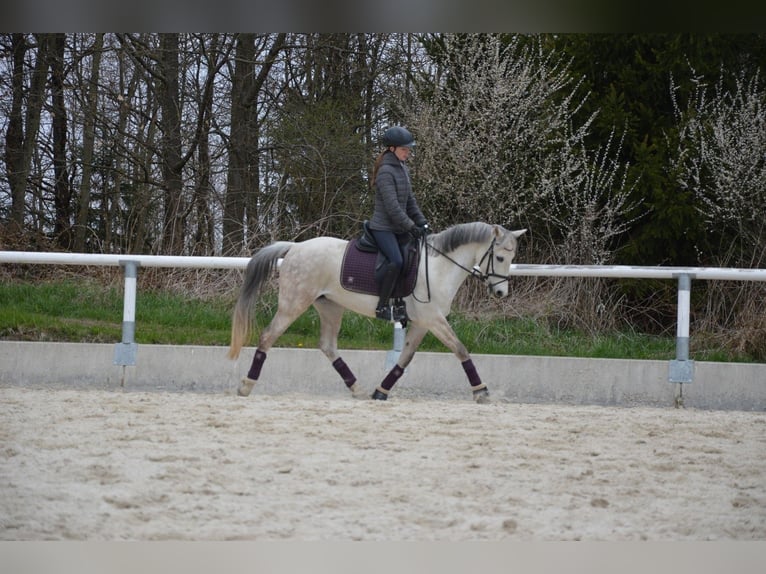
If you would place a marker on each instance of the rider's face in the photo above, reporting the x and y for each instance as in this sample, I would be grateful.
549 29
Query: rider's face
402 152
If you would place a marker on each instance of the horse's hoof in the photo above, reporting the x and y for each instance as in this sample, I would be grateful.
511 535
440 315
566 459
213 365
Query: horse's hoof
357 392
481 396
379 395
245 387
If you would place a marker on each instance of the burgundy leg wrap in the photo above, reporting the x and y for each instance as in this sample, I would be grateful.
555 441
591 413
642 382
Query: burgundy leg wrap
391 378
470 371
255 368
345 373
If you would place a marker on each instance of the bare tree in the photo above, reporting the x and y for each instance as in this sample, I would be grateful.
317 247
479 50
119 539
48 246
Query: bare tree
62 190
243 175
126 173
88 143
23 124
183 120
204 232
171 143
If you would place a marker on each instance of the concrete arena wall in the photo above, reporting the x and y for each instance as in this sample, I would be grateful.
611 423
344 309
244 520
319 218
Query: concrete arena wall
522 379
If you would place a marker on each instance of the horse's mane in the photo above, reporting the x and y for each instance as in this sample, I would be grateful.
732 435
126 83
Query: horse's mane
461 234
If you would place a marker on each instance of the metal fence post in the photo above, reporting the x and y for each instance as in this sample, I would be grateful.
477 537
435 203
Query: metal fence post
392 356
125 352
681 368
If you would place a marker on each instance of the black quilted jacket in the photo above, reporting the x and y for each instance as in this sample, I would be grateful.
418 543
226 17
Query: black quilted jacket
395 206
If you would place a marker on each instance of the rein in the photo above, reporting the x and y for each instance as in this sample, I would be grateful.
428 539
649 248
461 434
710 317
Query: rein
475 272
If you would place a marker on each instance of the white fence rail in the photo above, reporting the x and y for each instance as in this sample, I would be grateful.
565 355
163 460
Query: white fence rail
116 260
681 369
634 272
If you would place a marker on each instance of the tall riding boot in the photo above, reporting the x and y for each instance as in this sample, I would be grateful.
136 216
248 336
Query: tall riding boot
385 288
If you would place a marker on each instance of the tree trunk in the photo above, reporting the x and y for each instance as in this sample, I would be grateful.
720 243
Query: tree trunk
62 190
216 56
239 144
203 238
89 137
14 135
170 148
243 175
19 144
124 150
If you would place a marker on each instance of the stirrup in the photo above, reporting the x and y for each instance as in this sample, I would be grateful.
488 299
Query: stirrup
399 312
393 313
384 312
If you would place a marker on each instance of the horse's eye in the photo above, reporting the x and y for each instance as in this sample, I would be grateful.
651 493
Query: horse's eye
500 258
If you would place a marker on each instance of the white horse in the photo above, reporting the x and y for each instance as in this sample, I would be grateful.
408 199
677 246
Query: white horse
310 274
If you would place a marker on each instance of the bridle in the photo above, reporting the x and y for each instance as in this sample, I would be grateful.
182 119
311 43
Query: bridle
476 271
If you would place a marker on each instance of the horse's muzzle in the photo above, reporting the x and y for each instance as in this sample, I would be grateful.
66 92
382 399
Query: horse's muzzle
499 289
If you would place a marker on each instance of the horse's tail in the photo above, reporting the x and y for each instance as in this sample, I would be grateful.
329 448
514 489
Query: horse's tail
258 271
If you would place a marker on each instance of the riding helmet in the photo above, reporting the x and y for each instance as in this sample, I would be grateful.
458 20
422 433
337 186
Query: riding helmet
398 136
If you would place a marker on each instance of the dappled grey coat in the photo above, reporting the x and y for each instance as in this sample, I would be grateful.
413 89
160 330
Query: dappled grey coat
395 206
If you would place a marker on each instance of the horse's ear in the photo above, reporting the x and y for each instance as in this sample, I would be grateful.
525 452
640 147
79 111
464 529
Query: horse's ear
518 233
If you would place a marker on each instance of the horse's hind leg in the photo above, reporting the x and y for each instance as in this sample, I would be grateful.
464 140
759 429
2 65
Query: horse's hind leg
330 317
284 317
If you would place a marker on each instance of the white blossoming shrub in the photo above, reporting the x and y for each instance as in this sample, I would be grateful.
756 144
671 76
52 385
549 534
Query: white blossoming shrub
721 159
497 142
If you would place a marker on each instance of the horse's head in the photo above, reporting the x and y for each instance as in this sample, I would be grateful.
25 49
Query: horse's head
496 263
489 249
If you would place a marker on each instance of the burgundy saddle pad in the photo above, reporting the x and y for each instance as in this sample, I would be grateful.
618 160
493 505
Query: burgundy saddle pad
357 273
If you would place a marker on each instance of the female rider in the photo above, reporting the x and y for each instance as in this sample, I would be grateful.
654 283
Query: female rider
396 216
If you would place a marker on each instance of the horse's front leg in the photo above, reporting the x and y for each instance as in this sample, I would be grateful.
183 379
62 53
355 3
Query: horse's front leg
330 318
444 332
412 341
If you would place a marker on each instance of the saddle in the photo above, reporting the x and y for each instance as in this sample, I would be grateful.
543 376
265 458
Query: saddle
362 258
